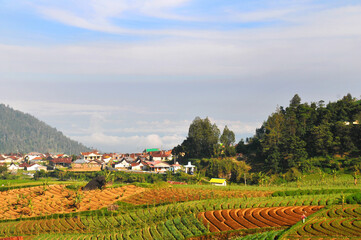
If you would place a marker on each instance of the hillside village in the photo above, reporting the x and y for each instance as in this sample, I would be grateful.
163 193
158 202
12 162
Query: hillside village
150 160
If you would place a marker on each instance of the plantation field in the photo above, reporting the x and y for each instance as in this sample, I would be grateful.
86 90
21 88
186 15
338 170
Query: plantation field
334 222
179 212
170 195
46 200
247 218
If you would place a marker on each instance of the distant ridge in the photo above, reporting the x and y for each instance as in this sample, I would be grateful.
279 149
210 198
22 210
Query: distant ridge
23 133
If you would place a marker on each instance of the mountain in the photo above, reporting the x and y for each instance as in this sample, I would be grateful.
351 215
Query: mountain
23 133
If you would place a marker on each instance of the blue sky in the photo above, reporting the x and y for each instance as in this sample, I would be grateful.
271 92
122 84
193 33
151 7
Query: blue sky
121 75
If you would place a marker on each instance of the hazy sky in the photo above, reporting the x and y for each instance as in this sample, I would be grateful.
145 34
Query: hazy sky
124 75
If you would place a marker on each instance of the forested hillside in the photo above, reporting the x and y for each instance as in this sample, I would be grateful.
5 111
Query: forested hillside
20 132
301 134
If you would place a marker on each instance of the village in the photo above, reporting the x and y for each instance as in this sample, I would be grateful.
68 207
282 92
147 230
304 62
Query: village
150 160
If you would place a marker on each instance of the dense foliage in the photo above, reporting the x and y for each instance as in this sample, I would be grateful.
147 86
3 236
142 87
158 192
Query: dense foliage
23 133
293 135
204 141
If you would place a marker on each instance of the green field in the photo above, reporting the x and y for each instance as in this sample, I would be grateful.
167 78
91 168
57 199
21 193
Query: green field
179 219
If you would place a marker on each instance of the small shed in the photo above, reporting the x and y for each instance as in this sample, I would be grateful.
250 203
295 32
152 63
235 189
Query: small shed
218 181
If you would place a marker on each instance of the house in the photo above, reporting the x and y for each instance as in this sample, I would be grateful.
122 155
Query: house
175 167
117 156
36 167
107 158
138 166
158 166
218 181
7 159
32 155
161 155
61 162
23 166
36 160
122 164
2 159
84 165
79 164
13 167
95 164
93 155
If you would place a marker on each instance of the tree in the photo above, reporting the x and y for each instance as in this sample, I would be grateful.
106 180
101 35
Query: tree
227 137
295 101
202 139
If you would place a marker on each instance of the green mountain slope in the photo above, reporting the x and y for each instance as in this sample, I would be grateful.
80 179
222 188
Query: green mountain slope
20 132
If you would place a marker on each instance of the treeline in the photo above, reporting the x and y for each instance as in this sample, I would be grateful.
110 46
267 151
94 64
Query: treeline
23 133
293 135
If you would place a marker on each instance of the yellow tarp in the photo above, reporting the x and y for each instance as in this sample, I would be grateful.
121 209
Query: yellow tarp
217 180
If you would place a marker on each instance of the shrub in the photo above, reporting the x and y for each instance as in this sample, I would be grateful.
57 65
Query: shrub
354 198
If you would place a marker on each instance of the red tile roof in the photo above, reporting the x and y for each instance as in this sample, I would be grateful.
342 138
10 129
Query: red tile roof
88 153
25 165
62 160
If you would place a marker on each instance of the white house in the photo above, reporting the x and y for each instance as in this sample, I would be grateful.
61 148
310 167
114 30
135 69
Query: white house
175 167
94 155
138 166
36 167
13 167
123 164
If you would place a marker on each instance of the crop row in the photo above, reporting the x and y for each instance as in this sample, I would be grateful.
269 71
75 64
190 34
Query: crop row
262 236
225 220
335 222
175 229
46 200
331 228
171 195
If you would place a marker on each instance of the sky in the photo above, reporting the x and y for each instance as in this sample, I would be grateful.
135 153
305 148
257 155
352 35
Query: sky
125 75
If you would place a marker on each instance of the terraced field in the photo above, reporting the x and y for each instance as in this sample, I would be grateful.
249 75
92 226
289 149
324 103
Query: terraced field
41 201
336 222
248 212
170 195
232 219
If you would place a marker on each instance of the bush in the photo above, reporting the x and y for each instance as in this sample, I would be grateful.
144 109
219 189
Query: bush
354 198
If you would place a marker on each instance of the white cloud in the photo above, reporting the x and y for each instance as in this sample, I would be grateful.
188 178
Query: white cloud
238 127
97 15
135 143
173 134
260 16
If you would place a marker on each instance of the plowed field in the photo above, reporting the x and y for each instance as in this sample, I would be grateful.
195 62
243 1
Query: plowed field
169 195
338 221
40 201
224 220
